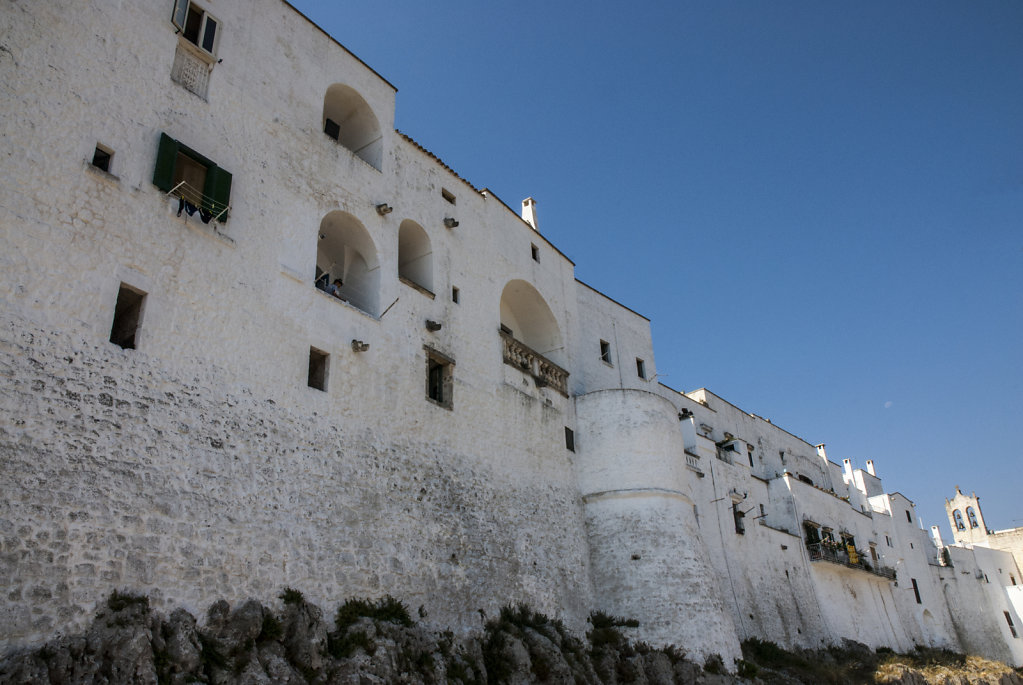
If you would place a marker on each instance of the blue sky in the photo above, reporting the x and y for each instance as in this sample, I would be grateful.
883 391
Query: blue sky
818 205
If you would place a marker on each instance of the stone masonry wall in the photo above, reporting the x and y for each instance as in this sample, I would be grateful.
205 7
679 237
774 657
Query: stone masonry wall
120 474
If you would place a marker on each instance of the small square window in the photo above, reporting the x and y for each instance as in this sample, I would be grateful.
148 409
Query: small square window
605 352
569 439
439 378
332 129
318 367
102 157
640 368
454 295
535 251
127 317
447 195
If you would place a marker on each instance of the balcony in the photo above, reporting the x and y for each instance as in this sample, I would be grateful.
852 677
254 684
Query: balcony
543 370
836 554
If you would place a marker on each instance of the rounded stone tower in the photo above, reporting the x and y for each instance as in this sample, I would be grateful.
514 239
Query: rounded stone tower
648 561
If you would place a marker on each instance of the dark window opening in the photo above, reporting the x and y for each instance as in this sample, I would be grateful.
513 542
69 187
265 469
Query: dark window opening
873 553
813 535
197 27
318 369
605 352
101 158
916 590
447 195
738 515
332 129
888 540
749 454
127 317
454 295
909 517
439 378
805 479
640 368
570 442
199 183
535 252
1008 619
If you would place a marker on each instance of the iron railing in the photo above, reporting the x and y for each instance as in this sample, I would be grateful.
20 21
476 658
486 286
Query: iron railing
820 551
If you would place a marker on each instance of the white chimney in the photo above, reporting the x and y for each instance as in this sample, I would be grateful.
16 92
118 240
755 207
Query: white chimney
870 467
529 213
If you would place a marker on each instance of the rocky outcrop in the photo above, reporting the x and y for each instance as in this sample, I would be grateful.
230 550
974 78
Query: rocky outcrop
378 642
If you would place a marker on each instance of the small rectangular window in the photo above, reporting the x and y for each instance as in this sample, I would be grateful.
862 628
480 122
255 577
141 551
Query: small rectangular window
1008 619
605 352
102 157
447 195
127 317
318 367
439 378
738 515
640 368
535 251
196 26
569 439
916 590
454 295
332 129
909 517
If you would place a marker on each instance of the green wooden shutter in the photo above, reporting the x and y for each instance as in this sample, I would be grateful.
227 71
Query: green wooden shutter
166 156
218 189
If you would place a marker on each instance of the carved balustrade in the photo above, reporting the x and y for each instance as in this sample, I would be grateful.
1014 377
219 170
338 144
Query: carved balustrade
542 369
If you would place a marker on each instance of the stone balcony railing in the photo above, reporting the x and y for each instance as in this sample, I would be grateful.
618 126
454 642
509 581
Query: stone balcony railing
542 369
820 551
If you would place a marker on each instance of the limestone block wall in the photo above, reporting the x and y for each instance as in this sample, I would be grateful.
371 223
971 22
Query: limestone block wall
123 472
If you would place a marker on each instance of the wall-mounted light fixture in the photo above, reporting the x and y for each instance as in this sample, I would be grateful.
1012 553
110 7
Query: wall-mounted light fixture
685 414
359 346
449 222
384 208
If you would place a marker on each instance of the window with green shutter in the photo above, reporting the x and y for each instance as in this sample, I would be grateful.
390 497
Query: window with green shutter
186 174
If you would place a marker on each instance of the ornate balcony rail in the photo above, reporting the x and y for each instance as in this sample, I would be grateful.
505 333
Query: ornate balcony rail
542 369
821 551
693 461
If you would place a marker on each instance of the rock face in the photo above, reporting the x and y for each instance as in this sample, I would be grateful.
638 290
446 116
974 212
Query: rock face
378 642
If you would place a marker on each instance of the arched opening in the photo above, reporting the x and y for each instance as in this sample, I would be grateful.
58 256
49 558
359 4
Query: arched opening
348 119
957 516
415 255
345 251
530 336
525 314
972 516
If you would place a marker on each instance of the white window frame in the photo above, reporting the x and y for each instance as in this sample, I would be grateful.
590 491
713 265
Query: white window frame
180 16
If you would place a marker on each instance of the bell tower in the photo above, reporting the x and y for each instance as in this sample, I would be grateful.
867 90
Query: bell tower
966 519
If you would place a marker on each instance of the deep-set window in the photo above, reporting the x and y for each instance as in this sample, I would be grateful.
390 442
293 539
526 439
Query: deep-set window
318 367
605 351
455 293
439 378
199 184
570 440
197 26
641 368
101 157
127 317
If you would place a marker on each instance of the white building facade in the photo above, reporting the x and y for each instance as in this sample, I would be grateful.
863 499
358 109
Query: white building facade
190 413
